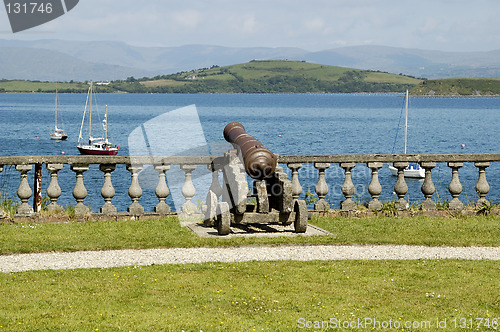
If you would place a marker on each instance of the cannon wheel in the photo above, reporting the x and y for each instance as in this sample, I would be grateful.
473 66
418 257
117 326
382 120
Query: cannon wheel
223 218
300 223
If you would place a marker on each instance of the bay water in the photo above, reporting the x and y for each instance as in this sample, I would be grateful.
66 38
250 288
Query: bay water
285 123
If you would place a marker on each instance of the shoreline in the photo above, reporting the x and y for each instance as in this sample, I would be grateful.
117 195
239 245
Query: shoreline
268 93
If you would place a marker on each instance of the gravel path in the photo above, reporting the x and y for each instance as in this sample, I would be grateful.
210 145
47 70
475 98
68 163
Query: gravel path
129 257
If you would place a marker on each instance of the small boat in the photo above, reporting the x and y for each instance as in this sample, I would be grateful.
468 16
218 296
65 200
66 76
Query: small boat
413 170
58 133
96 145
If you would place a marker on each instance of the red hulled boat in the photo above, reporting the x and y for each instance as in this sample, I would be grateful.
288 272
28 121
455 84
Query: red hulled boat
96 145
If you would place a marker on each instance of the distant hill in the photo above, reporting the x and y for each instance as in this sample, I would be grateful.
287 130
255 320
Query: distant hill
459 87
106 60
271 76
257 76
414 62
42 64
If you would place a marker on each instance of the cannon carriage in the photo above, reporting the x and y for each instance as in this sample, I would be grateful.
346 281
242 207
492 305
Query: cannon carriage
271 198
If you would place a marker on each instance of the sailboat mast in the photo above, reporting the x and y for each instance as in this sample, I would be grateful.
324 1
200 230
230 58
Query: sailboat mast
106 125
90 112
56 111
406 119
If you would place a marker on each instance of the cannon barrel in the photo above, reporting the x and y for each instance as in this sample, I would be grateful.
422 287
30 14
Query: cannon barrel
259 162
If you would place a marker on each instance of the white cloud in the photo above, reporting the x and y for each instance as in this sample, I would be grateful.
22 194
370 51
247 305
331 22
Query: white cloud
249 24
430 25
189 18
313 24
316 24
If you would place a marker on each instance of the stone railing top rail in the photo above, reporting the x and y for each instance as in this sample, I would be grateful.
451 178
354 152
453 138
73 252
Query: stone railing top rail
85 159
285 159
389 158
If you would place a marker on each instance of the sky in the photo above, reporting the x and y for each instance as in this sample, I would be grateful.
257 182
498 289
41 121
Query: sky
313 25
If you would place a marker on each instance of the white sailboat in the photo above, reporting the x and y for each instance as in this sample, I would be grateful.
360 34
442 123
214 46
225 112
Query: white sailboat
58 133
96 145
413 170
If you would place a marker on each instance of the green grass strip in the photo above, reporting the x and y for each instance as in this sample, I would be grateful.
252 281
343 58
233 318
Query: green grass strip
156 233
255 296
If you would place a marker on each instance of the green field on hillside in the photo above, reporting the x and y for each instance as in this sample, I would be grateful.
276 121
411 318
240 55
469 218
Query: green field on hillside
272 76
459 87
38 86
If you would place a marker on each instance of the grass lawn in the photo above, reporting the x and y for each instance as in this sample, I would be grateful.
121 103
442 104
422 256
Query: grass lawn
155 233
254 296
269 296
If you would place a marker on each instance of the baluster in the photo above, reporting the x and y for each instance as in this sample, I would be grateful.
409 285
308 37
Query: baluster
162 190
375 189
53 190
24 191
348 188
135 191
296 187
401 188
214 192
428 187
188 190
215 186
321 187
455 187
107 191
482 186
80 192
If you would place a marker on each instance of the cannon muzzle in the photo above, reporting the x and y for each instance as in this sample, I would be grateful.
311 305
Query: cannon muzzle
259 162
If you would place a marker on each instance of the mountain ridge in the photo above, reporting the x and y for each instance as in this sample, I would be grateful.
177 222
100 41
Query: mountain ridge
118 60
42 64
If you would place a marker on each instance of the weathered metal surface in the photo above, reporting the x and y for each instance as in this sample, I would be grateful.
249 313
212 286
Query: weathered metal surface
259 161
273 192
259 218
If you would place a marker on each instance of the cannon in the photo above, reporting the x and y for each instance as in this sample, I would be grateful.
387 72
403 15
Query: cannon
259 162
271 198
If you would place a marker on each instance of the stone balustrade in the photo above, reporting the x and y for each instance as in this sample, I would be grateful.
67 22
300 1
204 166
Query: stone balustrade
79 165
107 164
375 162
